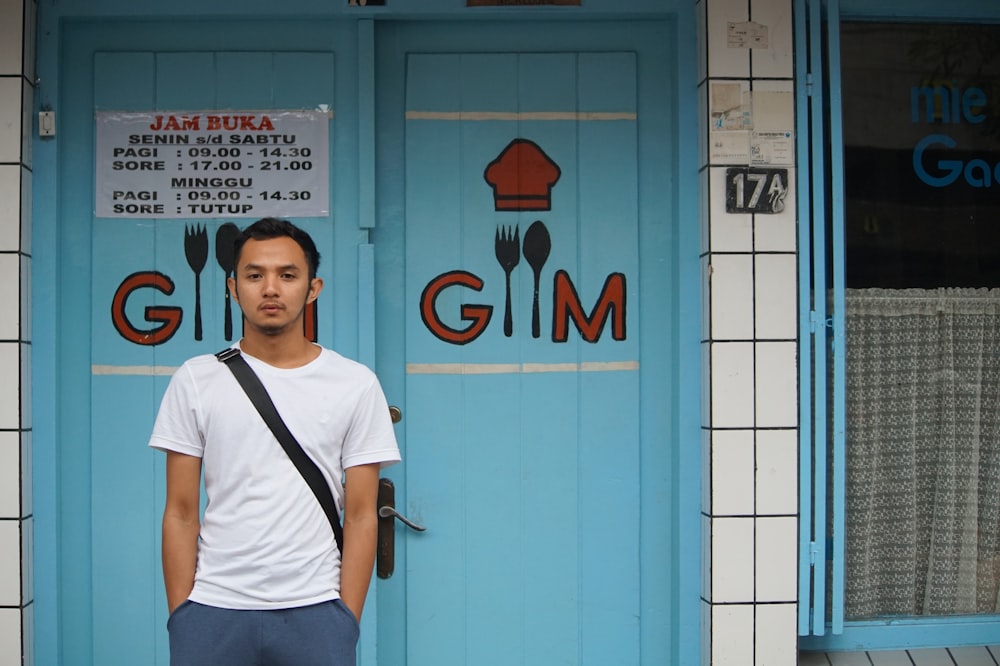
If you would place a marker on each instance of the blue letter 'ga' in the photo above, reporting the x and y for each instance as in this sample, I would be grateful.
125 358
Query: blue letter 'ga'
952 167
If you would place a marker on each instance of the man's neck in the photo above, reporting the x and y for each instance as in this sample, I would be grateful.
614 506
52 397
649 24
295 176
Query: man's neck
287 350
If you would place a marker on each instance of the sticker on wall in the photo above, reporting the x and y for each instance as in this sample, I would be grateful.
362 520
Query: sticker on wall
522 177
212 164
731 117
746 35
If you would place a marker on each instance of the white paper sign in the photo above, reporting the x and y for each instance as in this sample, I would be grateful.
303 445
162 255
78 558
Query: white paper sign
769 148
212 164
746 35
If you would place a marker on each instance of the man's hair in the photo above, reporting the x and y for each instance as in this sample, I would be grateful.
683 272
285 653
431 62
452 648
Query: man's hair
271 227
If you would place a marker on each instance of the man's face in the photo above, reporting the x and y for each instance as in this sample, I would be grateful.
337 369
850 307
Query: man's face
272 284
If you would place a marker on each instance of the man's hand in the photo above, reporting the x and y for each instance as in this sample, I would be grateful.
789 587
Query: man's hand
181 526
360 535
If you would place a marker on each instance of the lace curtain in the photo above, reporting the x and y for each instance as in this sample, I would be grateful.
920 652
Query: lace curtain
923 452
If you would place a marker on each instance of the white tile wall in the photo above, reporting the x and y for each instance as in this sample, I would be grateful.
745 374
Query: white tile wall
9 389
774 634
27 558
732 635
29 39
27 102
706 472
25 297
10 474
17 53
11 41
732 285
776 559
706 629
28 635
703 140
778 232
774 105
702 37
27 506
724 61
10 637
10 296
25 395
732 472
776 472
775 296
732 560
750 583
776 384
776 60
25 210
706 296
10 563
10 119
729 232
10 206
706 385
732 385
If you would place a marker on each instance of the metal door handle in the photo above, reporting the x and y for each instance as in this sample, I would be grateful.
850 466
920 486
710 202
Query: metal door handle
385 561
390 512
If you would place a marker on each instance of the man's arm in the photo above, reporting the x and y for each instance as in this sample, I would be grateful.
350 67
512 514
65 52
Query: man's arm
180 526
360 535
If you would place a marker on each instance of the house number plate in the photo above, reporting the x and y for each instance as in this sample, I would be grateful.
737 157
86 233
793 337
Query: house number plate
756 190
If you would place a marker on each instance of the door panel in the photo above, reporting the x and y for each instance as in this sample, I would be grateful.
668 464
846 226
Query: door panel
129 608
523 452
113 605
510 488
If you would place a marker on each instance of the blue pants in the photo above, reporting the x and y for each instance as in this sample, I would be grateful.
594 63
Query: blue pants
325 634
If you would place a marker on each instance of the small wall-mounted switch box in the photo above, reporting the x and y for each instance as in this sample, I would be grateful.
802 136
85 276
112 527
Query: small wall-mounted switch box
46 123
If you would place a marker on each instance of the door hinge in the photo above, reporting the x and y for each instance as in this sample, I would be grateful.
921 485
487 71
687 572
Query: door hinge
809 85
813 552
814 322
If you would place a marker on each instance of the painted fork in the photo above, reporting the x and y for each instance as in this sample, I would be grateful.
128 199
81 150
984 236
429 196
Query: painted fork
196 251
508 250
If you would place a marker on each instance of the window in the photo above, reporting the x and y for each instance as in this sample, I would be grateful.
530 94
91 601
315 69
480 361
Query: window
921 128
905 260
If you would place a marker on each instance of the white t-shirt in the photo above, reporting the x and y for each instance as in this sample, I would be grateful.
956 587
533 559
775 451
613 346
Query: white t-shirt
265 541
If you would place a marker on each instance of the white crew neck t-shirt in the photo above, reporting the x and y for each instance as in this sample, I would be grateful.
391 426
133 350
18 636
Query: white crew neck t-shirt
265 542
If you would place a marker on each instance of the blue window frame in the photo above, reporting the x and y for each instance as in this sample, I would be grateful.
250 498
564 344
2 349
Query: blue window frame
822 379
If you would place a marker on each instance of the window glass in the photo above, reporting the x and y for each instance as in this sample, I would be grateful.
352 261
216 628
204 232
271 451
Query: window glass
921 124
921 114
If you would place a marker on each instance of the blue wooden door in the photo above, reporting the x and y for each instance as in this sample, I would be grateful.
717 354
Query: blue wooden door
134 290
526 314
540 451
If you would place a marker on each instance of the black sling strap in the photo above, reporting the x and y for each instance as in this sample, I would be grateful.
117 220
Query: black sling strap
309 470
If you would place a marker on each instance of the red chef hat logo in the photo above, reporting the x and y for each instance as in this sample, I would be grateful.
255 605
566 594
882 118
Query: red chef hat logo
522 177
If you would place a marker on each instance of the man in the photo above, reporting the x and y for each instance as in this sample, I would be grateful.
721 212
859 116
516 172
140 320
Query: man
260 580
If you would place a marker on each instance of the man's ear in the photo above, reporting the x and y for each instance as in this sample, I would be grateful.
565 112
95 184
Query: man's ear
315 286
231 283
